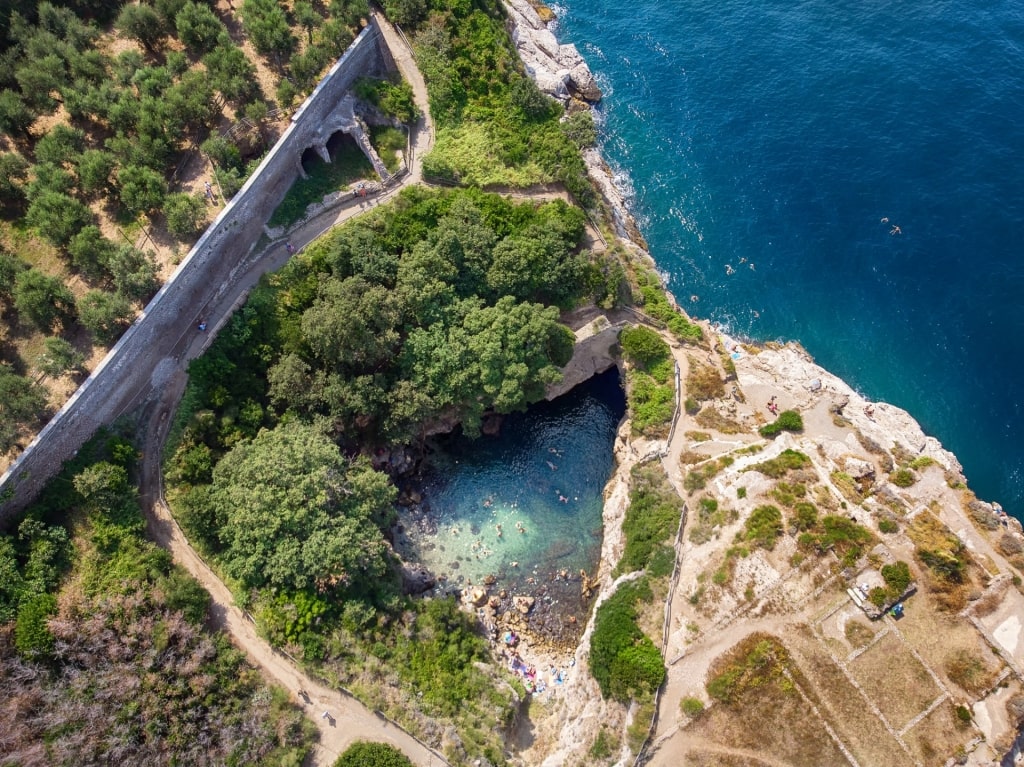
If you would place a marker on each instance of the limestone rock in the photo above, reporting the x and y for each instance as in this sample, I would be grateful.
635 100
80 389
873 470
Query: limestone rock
584 84
523 604
476 596
859 469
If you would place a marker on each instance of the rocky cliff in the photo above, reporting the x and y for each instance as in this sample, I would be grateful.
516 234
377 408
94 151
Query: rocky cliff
782 644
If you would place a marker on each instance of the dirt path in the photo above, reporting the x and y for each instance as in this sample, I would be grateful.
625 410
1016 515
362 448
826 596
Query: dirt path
349 719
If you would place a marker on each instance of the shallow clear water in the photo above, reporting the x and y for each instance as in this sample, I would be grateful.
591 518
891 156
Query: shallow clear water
775 138
525 504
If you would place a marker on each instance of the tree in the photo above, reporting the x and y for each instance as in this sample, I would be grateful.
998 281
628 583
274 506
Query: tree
141 189
94 169
307 18
142 23
186 213
42 299
268 27
22 402
198 27
39 78
91 252
231 72
10 267
365 754
104 314
643 345
59 357
300 514
15 116
134 272
406 12
57 216
13 173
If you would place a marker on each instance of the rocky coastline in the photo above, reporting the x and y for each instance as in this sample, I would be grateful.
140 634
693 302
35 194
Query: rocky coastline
848 439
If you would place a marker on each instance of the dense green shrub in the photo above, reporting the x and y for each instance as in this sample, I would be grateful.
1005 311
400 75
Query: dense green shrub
692 707
903 478
656 304
651 519
788 420
643 346
763 526
365 754
887 526
623 660
32 636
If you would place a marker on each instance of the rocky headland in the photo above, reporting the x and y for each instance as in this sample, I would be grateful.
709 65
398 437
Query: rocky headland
860 492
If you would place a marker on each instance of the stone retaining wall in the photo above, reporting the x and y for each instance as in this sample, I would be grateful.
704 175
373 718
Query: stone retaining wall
133 368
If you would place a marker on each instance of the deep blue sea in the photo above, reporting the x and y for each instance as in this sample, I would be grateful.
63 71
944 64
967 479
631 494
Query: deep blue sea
783 141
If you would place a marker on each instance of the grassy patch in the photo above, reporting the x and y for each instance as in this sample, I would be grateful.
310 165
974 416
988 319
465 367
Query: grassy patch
786 461
945 557
756 662
349 164
468 154
710 418
703 381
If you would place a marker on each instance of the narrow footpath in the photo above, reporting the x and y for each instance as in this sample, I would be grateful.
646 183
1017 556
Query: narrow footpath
340 719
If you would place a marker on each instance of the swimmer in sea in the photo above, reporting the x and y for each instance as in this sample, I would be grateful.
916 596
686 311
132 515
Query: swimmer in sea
694 298
729 269
895 230
885 220
563 499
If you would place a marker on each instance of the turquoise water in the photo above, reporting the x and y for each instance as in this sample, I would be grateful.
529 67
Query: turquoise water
771 147
525 506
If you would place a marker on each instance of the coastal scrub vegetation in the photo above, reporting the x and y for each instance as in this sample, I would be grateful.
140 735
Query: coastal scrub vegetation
710 517
650 380
786 461
788 420
651 521
624 661
365 754
763 526
945 557
103 654
655 304
494 126
840 534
